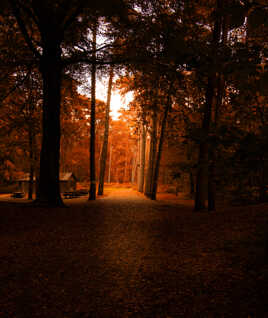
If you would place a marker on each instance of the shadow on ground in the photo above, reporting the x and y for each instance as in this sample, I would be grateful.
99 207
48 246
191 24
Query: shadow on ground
126 256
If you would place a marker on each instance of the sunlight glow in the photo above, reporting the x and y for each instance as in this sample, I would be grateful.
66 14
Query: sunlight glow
117 101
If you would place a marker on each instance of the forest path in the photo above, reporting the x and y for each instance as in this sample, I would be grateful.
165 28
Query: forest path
126 256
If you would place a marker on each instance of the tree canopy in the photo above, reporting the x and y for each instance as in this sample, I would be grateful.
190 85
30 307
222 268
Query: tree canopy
198 73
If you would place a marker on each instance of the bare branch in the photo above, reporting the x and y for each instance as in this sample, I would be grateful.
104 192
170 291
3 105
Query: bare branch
2 98
23 29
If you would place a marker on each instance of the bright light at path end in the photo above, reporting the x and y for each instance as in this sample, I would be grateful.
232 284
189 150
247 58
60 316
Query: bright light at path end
117 101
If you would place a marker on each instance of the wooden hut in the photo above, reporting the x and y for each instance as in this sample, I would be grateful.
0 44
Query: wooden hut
67 182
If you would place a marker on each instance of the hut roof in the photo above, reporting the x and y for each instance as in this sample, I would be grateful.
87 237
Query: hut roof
64 176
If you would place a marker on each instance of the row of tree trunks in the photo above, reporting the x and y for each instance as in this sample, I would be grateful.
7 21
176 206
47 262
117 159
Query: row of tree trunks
103 157
155 151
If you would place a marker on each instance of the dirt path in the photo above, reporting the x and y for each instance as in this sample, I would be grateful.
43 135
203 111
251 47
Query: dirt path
126 256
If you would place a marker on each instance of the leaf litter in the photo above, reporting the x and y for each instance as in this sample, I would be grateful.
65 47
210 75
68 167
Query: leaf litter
127 256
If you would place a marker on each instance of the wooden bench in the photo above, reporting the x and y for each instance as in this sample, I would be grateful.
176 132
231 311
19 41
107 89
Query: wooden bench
74 194
69 195
18 195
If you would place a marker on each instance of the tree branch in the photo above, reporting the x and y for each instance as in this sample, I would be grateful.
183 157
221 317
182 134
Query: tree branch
23 29
2 98
69 20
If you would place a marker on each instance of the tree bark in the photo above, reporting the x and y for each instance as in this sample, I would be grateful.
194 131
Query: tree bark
142 158
103 157
92 190
50 67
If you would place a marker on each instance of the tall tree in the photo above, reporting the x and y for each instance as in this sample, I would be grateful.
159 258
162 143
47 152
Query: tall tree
104 149
152 154
47 27
228 15
202 173
92 190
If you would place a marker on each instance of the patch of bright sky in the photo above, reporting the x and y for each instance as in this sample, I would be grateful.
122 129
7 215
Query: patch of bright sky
117 101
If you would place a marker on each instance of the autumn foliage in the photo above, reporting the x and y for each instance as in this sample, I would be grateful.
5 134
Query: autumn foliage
197 123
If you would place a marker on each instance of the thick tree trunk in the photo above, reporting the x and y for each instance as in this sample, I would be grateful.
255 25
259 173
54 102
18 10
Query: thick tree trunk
49 188
92 190
160 147
142 158
151 161
103 157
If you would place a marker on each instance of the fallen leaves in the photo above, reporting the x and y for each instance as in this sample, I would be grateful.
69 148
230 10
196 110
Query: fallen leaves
125 256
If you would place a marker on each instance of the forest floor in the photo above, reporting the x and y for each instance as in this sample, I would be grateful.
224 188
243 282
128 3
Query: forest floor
126 256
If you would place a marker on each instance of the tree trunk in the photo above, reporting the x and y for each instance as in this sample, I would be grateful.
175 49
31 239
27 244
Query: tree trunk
32 164
110 164
142 158
192 186
92 190
134 169
202 172
262 183
160 147
212 154
103 157
202 184
125 174
151 161
220 95
49 187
